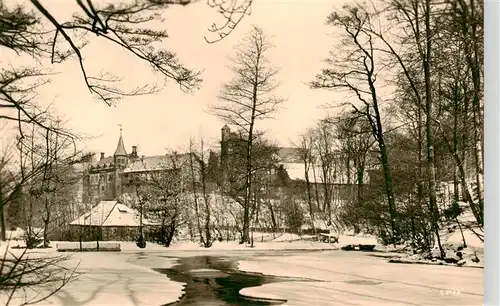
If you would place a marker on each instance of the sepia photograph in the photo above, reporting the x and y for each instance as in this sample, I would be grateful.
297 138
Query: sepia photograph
244 152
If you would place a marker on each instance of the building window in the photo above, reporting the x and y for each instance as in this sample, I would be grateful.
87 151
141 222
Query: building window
110 177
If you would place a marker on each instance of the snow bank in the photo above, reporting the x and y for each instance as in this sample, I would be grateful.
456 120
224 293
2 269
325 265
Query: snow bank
287 237
455 239
452 241
271 245
88 246
17 234
358 239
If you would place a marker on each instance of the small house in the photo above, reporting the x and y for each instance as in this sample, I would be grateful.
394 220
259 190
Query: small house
109 221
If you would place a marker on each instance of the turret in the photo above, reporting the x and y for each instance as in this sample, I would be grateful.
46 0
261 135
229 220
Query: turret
224 146
134 155
120 156
225 132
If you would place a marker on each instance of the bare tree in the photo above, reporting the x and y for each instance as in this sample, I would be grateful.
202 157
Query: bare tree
39 171
127 25
354 135
34 30
422 54
307 157
247 99
354 68
199 169
324 144
465 21
418 16
54 185
28 279
161 196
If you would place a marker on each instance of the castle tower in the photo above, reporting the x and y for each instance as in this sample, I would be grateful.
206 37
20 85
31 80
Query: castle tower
224 145
120 156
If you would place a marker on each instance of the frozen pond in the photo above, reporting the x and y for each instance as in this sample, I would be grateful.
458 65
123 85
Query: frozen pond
212 280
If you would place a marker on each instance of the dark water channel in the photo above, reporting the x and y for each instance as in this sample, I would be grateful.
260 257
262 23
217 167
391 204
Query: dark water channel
216 281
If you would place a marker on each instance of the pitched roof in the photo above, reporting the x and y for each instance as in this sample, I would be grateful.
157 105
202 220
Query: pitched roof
296 171
110 213
106 160
155 163
120 148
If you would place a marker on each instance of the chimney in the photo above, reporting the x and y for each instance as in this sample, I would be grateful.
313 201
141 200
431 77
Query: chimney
134 151
102 155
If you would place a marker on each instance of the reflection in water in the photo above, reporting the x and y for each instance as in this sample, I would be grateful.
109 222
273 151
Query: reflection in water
215 281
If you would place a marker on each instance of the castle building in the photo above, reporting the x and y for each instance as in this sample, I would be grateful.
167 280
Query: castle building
289 158
288 163
102 182
111 177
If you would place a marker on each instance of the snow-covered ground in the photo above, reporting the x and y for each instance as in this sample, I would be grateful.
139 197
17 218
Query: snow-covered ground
353 278
113 278
108 278
340 278
453 236
453 244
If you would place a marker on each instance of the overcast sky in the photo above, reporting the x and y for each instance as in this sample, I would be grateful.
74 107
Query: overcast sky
166 121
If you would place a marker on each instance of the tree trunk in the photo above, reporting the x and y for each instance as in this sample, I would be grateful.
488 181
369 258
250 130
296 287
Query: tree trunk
246 207
309 195
420 184
195 198
3 231
461 232
431 166
360 181
316 193
248 183
206 199
473 60
462 177
46 222
348 169
464 143
378 132
170 234
388 187
456 194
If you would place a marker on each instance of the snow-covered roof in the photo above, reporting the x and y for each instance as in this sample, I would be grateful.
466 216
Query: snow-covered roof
105 161
155 163
289 155
110 213
296 171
